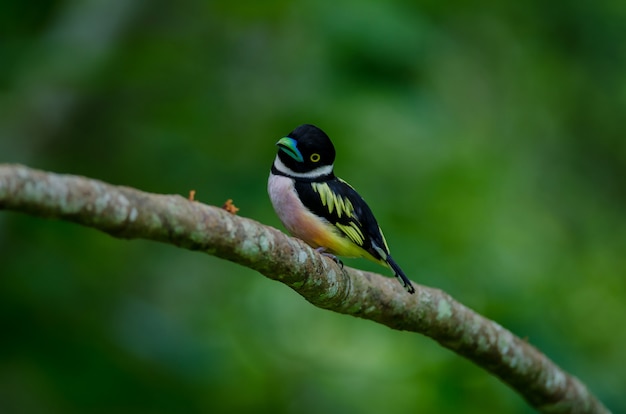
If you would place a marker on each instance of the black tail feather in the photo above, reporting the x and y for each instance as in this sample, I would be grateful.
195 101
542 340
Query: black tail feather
400 275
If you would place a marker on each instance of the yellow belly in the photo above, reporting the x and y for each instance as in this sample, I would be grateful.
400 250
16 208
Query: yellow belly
317 232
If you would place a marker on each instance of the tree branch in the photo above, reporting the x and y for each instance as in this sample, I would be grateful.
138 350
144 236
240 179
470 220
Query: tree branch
128 213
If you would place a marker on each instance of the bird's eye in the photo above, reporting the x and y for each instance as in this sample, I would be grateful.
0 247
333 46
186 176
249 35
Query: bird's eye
315 157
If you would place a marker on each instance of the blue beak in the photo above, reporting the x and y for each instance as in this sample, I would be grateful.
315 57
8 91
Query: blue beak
290 147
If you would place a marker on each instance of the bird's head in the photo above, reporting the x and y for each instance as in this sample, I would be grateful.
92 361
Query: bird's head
305 149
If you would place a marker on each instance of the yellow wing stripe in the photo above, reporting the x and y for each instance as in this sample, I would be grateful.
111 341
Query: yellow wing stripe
384 241
353 232
333 201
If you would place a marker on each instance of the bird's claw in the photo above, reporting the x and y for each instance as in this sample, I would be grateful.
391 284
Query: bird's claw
322 251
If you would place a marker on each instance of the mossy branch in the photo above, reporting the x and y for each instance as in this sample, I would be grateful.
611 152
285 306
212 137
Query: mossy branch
129 213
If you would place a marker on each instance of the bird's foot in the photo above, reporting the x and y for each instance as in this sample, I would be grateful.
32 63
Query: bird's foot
322 251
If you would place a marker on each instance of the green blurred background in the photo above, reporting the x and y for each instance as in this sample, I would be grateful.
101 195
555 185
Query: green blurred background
488 138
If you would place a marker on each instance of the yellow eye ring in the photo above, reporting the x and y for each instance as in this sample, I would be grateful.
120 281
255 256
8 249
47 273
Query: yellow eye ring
315 157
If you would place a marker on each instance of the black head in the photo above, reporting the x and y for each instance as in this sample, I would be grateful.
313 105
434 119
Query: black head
305 149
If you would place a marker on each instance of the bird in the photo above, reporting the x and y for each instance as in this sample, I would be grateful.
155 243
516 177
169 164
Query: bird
320 208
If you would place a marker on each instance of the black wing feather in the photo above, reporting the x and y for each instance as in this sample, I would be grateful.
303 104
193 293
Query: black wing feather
312 196
362 215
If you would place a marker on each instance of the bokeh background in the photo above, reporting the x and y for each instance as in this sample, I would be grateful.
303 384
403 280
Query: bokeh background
488 138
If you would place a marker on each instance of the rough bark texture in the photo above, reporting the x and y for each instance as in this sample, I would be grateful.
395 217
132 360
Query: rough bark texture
128 213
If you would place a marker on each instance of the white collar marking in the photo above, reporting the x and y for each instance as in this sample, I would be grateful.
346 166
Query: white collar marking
318 172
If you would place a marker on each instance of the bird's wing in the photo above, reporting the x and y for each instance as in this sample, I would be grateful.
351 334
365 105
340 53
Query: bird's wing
340 204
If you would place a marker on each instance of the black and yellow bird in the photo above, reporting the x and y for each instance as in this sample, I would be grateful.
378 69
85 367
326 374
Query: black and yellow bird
321 209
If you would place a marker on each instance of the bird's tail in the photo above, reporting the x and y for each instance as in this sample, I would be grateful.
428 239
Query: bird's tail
400 275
